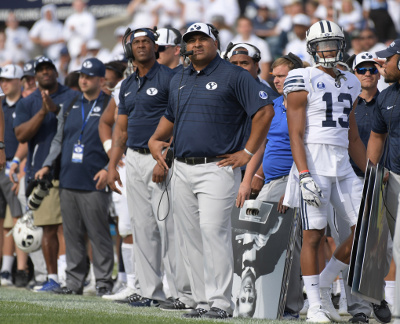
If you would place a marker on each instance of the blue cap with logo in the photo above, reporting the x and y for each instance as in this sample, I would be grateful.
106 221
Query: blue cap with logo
93 67
44 60
392 49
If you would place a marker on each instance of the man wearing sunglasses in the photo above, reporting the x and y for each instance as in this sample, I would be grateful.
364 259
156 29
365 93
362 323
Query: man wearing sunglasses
169 47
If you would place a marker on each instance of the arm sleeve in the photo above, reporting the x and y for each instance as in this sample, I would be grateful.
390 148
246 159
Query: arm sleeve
56 143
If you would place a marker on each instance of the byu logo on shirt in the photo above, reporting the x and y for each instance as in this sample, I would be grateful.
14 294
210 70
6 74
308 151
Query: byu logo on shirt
211 86
263 95
321 85
96 109
13 114
151 91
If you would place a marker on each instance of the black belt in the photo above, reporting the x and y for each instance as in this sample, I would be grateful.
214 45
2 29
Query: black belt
198 160
142 150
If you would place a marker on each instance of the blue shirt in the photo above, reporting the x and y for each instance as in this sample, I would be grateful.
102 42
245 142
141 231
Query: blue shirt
388 113
364 114
80 176
9 136
209 108
144 100
278 158
39 144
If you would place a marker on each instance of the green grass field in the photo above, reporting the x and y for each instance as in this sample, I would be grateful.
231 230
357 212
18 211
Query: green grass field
23 306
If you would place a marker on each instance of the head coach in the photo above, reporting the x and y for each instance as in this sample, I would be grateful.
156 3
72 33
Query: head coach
207 110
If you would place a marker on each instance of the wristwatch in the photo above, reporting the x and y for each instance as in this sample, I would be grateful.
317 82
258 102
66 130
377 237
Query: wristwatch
2 145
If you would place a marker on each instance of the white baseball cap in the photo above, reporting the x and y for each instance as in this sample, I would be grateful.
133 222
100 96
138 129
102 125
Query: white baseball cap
301 19
198 28
251 50
364 57
168 37
11 71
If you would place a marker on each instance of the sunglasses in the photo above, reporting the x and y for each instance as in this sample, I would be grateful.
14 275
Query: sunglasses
372 70
163 48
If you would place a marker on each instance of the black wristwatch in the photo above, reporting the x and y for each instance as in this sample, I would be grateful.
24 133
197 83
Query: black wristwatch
2 145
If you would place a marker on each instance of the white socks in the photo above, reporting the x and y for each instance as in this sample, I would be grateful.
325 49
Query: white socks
129 263
389 292
8 261
311 284
329 274
53 277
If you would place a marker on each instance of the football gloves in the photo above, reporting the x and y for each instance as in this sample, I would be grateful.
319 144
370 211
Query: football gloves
309 190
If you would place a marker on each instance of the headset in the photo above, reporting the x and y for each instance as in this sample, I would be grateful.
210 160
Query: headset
297 62
127 46
178 35
256 57
213 30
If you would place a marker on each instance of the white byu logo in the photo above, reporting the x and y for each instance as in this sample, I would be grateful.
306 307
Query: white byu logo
151 91
211 86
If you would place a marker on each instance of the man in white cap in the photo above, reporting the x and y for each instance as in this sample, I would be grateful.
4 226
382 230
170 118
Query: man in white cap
169 47
207 114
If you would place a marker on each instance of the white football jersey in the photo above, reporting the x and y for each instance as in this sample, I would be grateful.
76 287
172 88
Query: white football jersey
328 104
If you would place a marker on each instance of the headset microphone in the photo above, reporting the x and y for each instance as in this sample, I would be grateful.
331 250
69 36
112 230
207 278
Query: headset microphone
187 53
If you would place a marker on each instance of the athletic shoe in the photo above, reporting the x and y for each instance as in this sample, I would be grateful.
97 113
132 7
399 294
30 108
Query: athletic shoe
49 286
130 299
216 313
119 285
290 316
145 302
101 291
359 318
174 305
67 291
5 279
327 304
382 312
343 306
90 288
304 310
317 314
21 278
195 313
121 295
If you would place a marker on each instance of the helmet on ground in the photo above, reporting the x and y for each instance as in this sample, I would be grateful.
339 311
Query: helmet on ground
323 38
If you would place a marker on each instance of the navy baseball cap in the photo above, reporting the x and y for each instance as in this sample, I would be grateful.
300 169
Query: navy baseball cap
44 60
29 69
93 67
392 49
144 32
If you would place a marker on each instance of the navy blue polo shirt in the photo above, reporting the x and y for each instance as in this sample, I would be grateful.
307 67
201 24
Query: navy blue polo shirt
364 114
278 158
9 136
209 108
80 176
388 112
39 145
144 100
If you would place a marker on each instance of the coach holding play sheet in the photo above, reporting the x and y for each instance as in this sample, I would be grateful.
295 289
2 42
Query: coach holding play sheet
207 111
386 127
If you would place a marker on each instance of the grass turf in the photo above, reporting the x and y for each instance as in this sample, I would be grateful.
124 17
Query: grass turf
23 306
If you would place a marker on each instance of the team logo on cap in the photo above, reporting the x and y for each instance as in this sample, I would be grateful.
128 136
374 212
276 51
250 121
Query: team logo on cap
195 27
87 64
211 86
392 44
96 109
321 85
27 66
151 91
366 56
263 95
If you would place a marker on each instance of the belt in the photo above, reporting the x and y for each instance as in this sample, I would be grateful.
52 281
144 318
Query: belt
198 160
142 150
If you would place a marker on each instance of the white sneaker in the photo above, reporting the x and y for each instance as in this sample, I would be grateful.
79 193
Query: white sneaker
119 285
122 294
90 288
343 306
305 307
5 279
327 304
317 314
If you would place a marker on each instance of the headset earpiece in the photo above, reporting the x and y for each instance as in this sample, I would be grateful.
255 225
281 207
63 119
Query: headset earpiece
398 63
297 62
183 47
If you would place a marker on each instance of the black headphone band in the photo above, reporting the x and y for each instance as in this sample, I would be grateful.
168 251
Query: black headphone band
297 62
256 57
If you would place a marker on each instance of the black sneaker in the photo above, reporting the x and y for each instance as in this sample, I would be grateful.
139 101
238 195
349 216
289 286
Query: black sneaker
382 312
21 278
100 291
195 313
216 313
359 318
67 291
145 302
174 305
